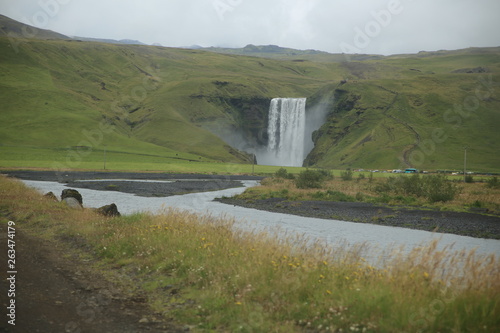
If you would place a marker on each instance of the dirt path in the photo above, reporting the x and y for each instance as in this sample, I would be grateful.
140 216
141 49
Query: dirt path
57 292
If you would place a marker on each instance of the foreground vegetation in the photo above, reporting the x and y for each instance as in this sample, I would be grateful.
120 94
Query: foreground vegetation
199 270
438 191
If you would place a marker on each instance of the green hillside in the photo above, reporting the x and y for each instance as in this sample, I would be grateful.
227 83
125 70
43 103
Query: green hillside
159 101
77 103
418 111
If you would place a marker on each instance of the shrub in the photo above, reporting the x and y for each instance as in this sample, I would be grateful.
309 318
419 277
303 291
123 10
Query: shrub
283 173
312 178
434 187
469 179
493 182
361 176
438 188
346 175
332 196
477 204
339 196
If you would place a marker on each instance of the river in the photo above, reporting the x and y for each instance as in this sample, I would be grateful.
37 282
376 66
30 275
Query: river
331 232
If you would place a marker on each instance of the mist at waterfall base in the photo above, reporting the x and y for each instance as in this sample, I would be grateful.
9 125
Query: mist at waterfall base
288 137
290 129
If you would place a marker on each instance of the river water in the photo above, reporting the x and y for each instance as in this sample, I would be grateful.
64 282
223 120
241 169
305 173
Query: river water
331 232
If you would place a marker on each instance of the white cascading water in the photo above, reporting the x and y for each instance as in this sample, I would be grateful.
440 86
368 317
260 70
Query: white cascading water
286 131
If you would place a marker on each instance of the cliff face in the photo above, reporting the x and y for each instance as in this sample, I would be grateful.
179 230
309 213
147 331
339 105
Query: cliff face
240 121
252 117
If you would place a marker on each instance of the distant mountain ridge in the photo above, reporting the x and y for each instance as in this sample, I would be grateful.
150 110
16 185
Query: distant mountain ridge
284 53
14 29
250 48
109 41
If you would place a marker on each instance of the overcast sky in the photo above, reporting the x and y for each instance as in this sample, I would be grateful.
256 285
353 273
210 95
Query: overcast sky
351 26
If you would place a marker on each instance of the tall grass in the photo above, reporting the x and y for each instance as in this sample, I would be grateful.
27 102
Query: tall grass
200 271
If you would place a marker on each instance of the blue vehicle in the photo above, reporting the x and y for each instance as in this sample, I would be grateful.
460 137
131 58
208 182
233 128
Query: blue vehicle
411 170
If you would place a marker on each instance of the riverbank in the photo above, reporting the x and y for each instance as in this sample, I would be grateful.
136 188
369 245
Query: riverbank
197 272
458 223
165 184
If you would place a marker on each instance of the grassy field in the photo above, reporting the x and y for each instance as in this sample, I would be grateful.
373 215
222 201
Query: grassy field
133 161
200 271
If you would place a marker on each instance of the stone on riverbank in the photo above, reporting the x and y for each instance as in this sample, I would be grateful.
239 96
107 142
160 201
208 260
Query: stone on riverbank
72 203
70 193
51 196
108 210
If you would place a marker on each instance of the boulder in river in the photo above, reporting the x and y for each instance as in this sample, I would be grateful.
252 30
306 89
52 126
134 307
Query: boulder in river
70 193
108 210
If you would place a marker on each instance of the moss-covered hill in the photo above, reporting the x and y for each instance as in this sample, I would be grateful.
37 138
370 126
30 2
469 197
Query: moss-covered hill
140 103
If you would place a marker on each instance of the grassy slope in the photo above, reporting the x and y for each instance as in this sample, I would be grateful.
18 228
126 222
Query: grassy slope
161 103
400 102
52 91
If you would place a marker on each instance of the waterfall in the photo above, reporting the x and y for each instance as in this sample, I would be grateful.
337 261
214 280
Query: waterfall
286 131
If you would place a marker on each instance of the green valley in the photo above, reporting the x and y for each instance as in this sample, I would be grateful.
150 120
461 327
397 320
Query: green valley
74 104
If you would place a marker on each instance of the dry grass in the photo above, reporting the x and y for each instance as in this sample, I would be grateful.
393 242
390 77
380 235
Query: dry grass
201 271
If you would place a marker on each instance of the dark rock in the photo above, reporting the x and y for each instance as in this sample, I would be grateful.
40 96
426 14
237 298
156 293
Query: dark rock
108 210
72 203
51 196
70 193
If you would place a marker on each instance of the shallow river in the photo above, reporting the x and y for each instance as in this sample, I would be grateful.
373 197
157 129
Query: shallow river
330 231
